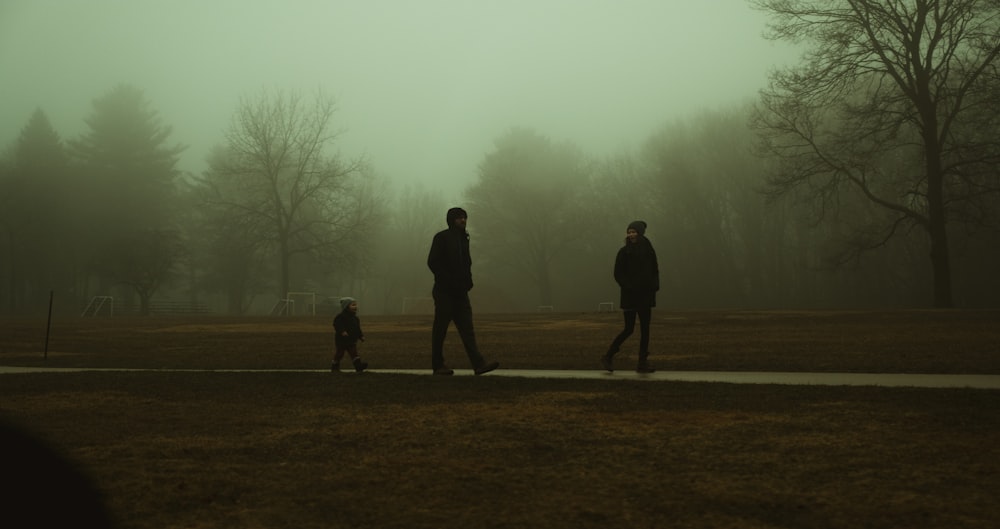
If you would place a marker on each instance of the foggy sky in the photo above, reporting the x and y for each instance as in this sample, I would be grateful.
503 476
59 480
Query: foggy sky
423 86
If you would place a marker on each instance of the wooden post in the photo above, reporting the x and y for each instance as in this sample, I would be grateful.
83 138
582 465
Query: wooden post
48 327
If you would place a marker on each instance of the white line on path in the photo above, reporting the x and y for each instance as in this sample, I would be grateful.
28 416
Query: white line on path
731 377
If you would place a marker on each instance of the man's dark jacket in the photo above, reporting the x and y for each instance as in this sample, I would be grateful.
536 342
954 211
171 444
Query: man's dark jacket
450 261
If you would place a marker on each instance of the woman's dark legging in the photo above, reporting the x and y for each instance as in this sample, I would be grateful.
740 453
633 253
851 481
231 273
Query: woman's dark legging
630 314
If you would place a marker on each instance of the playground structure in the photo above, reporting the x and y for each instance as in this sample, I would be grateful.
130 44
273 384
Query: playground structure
105 306
295 304
97 304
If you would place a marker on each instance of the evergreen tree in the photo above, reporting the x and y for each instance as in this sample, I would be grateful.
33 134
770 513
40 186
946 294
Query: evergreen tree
36 217
130 174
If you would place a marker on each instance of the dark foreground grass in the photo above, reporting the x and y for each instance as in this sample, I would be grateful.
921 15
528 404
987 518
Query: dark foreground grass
302 450
299 450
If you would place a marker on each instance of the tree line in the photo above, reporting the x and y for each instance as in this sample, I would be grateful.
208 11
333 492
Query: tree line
867 175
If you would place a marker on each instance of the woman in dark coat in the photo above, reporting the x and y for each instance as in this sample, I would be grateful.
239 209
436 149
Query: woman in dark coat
637 273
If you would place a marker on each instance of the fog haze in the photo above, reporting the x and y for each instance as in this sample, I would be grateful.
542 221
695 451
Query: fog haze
423 87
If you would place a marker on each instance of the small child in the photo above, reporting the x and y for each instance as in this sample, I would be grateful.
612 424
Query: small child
347 328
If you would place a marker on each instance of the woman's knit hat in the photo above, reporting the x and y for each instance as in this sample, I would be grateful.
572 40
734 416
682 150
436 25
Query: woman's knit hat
638 225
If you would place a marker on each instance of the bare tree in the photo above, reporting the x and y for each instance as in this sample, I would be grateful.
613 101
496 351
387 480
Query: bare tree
278 175
146 260
416 214
526 205
702 179
882 106
229 249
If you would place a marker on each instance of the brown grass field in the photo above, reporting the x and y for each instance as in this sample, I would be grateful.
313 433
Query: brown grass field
305 449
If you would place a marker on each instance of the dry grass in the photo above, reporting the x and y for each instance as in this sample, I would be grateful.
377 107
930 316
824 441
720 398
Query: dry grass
189 449
916 341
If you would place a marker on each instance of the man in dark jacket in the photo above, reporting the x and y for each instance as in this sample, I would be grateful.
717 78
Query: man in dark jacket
452 266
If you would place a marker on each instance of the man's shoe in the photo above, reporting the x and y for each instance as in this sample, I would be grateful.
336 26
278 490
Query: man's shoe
360 365
606 364
444 370
645 367
335 367
487 367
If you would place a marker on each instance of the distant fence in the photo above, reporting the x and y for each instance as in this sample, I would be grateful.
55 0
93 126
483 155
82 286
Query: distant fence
156 307
177 307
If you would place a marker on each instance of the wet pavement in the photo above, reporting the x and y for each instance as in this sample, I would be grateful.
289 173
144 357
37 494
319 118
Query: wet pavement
730 377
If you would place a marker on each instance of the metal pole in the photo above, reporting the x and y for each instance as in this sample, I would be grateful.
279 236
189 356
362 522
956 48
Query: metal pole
48 327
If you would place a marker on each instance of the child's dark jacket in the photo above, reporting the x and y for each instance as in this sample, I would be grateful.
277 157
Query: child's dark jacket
347 321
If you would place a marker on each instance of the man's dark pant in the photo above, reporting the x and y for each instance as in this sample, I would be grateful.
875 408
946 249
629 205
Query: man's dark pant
453 307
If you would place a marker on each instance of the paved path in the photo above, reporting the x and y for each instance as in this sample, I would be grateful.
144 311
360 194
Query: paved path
753 377
732 377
